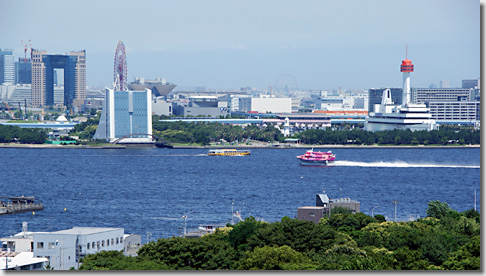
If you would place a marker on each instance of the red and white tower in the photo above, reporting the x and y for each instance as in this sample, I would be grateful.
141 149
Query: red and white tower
406 68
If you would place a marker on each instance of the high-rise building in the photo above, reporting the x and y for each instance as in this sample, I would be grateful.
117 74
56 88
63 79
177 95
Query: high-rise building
375 95
473 83
23 71
43 66
444 84
426 95
7 67
126 114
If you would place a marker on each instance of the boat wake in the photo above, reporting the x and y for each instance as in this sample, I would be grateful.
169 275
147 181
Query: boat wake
397 164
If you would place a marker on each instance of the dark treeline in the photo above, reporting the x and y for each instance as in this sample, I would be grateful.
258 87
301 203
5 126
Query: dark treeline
445 240
444 136
10 134
204 133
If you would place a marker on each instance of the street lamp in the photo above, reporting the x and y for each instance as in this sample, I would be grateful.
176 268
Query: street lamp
373 209
184 217
396 203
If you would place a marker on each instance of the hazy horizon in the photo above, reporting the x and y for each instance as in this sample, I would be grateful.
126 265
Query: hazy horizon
227 44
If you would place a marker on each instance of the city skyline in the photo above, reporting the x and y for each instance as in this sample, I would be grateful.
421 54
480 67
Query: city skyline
228 45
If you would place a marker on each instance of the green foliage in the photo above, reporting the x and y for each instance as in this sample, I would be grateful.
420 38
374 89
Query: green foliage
204 133
275 258
464 135
10 134
241 232
380 218
341 242
114 260
437 209
85 130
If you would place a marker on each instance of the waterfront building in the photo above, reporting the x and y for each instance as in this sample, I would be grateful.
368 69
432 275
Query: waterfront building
214 105
408 115
126 114
43 65
7 67
64 249
463 110
324 206
23 71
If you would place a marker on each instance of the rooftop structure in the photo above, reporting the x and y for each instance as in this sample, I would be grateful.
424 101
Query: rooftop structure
159 87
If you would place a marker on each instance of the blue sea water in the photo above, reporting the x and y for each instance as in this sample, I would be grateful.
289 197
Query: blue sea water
147 190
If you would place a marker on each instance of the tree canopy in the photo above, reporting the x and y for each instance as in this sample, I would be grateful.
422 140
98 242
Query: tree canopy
441 241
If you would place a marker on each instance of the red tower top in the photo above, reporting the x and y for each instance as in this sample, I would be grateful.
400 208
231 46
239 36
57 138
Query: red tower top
406 66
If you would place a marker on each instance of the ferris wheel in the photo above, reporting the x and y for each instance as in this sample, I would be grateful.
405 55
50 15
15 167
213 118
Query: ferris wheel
120 68
286 83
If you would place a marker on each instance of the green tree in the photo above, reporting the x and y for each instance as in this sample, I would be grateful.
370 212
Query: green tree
275 258
437 209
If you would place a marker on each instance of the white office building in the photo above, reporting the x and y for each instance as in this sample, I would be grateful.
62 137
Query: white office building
272 105
65 248
126 117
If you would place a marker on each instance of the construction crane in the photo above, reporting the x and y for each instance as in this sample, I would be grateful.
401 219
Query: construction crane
10 111
20 110
25 50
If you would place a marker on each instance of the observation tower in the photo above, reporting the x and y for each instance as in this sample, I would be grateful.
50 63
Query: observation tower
406 68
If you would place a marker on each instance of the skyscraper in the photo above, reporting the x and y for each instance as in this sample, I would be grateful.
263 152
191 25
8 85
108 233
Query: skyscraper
126 113
23 71
7 67
43 66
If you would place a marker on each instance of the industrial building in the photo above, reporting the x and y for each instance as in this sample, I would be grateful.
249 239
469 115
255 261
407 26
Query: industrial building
209 104
127 115
43 65
324 206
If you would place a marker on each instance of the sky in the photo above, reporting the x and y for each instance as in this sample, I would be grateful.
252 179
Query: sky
226 44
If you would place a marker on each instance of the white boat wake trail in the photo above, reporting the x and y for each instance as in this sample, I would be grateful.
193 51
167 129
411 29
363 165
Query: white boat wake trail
397 164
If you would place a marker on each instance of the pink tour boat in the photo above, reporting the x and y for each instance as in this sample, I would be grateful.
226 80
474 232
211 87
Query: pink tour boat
312 157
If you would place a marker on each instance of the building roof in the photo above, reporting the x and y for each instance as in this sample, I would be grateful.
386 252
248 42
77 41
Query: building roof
86 230
17 259
324 198
312 207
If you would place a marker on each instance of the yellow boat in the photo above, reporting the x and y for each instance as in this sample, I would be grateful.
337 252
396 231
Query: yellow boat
228 152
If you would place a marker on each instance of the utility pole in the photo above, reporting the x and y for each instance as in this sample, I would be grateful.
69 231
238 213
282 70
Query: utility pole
474 200
184 217
373 209
396 203
232 213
